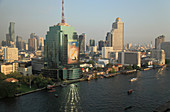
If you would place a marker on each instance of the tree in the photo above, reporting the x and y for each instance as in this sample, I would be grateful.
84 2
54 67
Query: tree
2 76
91 62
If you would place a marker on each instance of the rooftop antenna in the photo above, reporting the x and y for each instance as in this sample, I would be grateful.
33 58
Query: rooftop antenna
63 18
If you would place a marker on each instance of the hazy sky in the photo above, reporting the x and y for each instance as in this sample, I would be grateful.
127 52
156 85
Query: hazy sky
144 19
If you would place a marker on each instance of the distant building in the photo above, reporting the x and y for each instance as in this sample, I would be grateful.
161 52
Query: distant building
166 47
106 52
115 38
12 32
82 43
101 44
129 45
158 41
4 43
32 44
8 39
92 42
159 55
10 54
7 68
93 49
129 58
41 44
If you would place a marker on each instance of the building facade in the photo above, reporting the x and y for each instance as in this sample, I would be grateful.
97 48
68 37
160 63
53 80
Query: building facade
166 47
158 55
101 44
82 43
10 54
158 41
115 38
8 68
92 42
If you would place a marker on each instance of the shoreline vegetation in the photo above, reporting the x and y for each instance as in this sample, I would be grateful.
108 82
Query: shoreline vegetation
31 84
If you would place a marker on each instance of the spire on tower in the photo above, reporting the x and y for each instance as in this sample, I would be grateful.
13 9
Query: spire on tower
63 19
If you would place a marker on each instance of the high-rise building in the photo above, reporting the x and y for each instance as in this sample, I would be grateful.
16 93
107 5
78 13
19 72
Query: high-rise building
8 39
166 47
10 54
115 38
129 45
82 43
158 41
11 32
158 55
41 43
62 51
32 44
92 42
101 44
18 42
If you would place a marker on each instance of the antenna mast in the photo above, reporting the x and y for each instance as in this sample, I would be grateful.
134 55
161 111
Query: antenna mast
63 18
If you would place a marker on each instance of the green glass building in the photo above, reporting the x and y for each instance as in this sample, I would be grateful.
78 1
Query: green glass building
62 52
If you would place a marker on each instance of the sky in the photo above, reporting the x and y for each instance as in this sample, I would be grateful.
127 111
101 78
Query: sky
144 20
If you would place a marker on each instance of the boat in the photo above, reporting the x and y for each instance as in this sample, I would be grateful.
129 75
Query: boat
130 91
133 79
50 86
56 95
53 90
63 85
129 107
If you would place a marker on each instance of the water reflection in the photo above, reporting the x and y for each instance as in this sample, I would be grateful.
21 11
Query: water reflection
72 99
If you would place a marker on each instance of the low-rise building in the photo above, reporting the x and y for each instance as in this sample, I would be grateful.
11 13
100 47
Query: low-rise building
129 58
25 68
7 68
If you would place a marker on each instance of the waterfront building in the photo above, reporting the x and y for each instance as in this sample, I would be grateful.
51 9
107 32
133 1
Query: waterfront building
101 44
82 43
158 41
158 55
129 58
92 42
166 47
115 38
10 54
7 68
62 51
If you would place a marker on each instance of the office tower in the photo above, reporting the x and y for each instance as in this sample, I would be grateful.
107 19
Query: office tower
8 39
41 43
129 45
130 58
11 32
101 44
115 38
158 55
166 47
109 39
10 54
18 42
158 41
92 42
32 44
61 51
4 43
25 46
82 43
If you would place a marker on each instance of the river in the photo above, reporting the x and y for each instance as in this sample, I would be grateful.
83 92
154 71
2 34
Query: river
103 95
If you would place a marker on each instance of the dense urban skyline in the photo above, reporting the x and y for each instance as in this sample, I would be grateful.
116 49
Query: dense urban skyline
144 20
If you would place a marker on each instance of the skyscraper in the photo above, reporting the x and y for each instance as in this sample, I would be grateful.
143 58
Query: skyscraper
18 42
32 44
92 42
41 43
158 41
101 44
62 51
116 37
11 32
82 43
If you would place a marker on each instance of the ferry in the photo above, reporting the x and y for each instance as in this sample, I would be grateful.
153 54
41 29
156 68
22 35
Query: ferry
133 79
130 91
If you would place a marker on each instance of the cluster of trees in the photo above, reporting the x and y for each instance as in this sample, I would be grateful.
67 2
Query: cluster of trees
9 89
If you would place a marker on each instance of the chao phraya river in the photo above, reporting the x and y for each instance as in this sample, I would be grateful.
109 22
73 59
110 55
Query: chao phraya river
151 90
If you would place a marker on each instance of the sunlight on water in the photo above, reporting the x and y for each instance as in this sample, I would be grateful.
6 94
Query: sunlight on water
72 100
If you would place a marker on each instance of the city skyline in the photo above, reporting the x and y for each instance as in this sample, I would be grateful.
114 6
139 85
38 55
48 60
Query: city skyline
142 25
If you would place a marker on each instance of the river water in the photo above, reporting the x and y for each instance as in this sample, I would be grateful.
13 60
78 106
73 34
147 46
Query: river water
103 95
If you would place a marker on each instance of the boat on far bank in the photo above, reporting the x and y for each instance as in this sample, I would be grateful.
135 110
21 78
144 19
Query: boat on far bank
130 91
56 95
133 79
